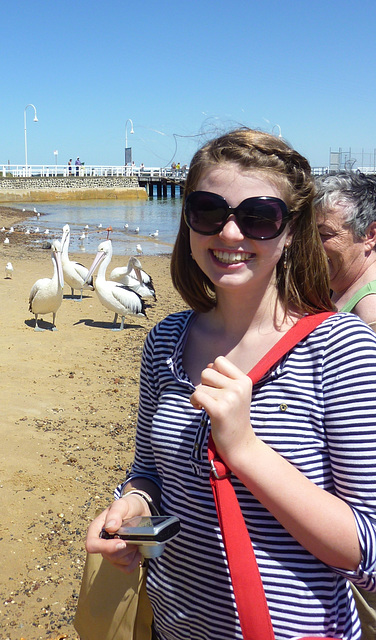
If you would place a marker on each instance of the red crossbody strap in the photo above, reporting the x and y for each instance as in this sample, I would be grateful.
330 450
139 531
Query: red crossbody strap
246 581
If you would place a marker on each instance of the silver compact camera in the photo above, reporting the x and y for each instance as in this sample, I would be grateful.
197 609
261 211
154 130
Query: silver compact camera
149 533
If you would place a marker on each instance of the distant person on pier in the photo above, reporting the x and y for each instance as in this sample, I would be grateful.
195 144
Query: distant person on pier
78 164
70 166
346 215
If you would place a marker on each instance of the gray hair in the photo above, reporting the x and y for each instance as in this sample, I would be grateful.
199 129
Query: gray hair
356 192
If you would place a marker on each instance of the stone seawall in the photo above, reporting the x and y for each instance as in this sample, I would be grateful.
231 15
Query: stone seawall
41 188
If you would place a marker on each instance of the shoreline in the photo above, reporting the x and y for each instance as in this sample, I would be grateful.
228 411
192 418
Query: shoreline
69 402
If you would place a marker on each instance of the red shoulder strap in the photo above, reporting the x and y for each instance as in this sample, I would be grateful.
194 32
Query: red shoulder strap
246 580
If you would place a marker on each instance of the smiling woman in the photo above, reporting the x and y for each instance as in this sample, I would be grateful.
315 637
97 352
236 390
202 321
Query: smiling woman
249 261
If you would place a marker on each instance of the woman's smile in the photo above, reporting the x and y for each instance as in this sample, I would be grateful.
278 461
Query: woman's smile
231 257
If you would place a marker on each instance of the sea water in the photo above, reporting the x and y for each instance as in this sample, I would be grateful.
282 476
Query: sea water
90 219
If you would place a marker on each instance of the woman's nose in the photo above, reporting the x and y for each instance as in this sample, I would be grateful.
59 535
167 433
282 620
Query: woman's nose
231 229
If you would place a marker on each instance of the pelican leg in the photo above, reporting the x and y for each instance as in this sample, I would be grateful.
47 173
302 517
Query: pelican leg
115 328
54 327
37 327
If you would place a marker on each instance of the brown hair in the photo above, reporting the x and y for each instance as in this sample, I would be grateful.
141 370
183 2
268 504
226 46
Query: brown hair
303 284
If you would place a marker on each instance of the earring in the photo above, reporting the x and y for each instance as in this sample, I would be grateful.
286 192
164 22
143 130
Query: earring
285 256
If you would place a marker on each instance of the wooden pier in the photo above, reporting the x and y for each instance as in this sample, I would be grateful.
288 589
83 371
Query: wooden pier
161 185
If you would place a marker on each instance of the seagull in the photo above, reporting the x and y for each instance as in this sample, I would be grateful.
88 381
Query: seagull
155 234
6 241
139 249
99 226
132 276
83 235
8 270
74 272
11 230
46 294
115 297
27 232
47 231
36 229
137 230
126 225
2 229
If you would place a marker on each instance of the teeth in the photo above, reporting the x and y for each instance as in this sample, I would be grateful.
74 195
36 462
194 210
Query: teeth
232 258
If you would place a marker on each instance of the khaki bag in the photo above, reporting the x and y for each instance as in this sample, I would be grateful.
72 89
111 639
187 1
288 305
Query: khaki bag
112 605
366 605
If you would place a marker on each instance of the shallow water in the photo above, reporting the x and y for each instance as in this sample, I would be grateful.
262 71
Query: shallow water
160 214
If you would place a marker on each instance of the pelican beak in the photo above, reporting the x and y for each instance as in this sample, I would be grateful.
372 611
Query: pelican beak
138 274
60 275
64 238
96 262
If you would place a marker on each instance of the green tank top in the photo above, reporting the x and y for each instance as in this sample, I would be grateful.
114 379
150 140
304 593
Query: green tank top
368 289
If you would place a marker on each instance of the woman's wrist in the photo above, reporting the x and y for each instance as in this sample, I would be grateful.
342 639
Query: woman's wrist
144 495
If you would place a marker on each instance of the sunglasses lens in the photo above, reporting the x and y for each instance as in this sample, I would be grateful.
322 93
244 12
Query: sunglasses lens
263 219
205 212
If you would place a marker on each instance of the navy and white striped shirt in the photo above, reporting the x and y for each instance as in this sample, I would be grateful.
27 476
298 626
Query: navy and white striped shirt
317 409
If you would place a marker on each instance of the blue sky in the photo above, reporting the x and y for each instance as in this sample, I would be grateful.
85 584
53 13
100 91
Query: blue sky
181 71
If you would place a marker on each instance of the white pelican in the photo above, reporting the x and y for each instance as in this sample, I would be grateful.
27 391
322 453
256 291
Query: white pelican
74 272
8 270
115 297
155 234
46 294
134 277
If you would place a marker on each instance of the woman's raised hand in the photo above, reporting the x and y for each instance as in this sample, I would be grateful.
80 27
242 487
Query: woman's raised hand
225 393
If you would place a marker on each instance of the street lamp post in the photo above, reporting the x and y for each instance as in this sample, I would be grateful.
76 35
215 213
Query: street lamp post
126 141
35 120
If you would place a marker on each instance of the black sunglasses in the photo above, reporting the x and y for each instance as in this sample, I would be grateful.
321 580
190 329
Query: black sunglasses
259 218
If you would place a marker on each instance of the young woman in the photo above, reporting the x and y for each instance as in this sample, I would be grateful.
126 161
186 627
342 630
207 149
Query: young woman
300 443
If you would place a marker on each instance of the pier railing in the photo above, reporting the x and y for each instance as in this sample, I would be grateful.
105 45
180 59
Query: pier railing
83 170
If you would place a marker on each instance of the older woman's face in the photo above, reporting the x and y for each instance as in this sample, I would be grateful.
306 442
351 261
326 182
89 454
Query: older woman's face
345 253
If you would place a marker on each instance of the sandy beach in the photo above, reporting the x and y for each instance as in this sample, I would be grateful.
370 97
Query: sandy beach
69 407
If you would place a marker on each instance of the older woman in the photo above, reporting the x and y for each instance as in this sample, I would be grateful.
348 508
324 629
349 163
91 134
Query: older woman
346 217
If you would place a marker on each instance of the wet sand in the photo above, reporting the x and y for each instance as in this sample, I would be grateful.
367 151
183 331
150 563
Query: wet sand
69 407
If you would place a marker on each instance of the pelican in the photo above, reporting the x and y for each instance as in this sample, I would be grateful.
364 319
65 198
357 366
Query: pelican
46 294
155 234
115 297
74 272
134 277
8 270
